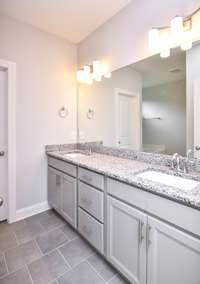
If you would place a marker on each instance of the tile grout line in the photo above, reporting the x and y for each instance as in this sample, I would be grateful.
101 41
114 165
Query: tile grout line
69 265
7 272
95 271
116 273
72 268
35 241
29 273
65 243
17 241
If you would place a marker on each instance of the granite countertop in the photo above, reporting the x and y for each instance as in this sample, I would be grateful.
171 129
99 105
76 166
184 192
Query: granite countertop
126 170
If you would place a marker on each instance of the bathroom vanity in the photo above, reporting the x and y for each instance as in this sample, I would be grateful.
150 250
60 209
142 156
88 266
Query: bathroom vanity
149 231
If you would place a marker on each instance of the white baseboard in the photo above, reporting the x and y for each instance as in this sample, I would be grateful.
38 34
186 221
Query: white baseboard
32 210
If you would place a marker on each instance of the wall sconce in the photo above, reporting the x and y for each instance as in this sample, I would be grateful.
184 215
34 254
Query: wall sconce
181 32
93 72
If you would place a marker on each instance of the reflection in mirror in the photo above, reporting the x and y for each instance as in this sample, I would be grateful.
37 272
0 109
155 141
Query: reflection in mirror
163 103
143 106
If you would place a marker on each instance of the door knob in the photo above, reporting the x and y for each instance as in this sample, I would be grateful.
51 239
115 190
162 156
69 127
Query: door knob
197 148
1 201
2 153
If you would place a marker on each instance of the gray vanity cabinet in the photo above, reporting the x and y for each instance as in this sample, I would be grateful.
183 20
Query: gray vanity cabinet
54 188
173 256
62 189
69 199
126 247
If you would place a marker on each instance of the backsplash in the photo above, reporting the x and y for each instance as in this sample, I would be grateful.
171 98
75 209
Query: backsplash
97 146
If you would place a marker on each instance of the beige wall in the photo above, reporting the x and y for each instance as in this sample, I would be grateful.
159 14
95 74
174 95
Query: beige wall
124 39
101 98
45 81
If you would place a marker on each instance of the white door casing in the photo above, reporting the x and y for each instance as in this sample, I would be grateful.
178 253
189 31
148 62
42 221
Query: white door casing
3 144
197 118
128 122
10 68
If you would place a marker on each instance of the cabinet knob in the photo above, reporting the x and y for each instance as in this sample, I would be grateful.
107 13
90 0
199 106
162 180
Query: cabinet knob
2 153
1 201
197 148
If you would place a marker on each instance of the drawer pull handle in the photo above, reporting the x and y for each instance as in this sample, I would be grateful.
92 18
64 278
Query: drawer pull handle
86 201
86 230
87 178
141 236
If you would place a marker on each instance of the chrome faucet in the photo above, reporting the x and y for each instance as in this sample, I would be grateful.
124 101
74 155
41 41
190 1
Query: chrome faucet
187 161
175 161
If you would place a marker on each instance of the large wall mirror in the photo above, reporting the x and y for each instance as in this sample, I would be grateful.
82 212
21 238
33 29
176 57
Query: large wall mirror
147 106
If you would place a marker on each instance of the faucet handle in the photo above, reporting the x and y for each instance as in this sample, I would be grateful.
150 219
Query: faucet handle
189 153
174 159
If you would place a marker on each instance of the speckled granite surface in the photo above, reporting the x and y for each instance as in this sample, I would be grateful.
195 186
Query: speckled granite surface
126 170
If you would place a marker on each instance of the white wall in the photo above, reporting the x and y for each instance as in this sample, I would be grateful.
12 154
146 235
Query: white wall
192 73
100 97
45 81
124 39
167 101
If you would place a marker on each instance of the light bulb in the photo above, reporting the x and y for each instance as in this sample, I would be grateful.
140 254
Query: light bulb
177 25
86 70
186 45
165 53
80 76
153 38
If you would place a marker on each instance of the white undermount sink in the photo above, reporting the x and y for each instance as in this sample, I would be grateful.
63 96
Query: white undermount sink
74 155
170 180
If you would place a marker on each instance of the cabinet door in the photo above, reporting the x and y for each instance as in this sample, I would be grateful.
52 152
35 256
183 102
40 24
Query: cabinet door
126 246
173 256
69 199
54 188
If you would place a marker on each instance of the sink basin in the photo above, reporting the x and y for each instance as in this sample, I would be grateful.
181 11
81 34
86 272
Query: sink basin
74 155
170 180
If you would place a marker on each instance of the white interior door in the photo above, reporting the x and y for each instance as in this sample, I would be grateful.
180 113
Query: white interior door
3 144
197 118
127 120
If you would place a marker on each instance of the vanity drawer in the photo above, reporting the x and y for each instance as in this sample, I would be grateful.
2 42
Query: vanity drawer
63 166
91 178
91 200
91 229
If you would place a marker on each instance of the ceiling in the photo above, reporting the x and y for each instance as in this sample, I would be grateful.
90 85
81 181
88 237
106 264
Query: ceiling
157 71
71 19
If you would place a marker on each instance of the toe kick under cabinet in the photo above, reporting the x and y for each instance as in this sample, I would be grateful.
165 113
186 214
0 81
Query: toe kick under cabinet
147 238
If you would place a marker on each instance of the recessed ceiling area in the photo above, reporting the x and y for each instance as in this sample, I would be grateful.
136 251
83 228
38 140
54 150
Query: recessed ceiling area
71 19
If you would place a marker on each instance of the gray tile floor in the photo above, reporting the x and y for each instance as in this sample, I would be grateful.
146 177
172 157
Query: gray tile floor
44 249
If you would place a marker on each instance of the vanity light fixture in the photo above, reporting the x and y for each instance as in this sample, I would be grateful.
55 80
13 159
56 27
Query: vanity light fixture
93 72
181 32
